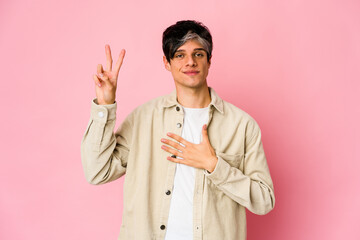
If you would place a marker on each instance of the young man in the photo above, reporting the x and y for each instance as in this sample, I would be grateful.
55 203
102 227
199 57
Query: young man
193 161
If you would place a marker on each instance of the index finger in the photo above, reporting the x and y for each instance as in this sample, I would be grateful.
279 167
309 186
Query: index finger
119 61
178 138
108 58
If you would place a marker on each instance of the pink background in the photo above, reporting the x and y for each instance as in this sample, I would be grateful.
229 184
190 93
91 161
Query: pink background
293 65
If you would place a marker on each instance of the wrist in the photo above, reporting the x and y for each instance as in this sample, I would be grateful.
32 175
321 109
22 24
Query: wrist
212 166
102 102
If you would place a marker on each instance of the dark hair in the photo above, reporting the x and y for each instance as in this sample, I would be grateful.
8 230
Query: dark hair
177 34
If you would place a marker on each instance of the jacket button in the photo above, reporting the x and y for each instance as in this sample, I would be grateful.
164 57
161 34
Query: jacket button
178 125
177 108
173 156
162 227
168 192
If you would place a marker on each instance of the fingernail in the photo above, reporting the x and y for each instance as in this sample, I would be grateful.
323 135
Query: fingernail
169 134
99 84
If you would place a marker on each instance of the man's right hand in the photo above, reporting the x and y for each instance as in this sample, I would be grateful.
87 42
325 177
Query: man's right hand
106 81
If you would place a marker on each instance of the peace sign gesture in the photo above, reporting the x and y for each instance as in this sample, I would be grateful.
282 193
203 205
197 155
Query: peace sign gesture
106 81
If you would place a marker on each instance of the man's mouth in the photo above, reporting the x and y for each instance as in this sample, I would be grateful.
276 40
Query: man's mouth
191 73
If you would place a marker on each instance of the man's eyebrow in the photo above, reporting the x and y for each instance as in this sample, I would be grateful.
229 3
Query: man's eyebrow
195 49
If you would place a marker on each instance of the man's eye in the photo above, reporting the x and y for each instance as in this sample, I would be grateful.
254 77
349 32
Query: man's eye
179 56
199 54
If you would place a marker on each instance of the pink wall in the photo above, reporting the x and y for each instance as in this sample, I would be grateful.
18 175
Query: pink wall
293 65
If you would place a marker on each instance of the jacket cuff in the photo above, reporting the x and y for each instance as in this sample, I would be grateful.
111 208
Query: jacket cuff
220 173
103 113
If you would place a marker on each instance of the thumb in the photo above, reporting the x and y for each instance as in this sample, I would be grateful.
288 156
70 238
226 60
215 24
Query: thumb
205 133
104 77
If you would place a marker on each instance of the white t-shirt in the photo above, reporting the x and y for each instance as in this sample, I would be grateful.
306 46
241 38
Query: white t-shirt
180 222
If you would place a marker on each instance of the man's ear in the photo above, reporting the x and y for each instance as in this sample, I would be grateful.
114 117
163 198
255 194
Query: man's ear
166 63
210 61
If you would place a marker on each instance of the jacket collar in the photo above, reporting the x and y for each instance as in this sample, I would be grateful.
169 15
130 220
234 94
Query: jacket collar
171 100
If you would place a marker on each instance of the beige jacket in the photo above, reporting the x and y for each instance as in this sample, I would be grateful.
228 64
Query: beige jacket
240 180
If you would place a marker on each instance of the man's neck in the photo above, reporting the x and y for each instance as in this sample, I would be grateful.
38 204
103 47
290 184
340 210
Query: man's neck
193 97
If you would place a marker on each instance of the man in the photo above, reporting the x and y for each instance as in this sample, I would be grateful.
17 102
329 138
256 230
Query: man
193 161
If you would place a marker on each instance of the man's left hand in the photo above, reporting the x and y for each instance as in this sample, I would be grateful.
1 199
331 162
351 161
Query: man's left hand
195 155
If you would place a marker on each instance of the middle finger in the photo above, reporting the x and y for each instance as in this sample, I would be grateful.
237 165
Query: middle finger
173 144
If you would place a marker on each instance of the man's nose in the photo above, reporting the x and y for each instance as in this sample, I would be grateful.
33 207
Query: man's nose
191 61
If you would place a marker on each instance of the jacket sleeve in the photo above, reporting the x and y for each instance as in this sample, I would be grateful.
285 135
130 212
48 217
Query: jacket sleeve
253 187
104 154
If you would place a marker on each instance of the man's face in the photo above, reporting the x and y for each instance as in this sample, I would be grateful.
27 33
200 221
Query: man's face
189 66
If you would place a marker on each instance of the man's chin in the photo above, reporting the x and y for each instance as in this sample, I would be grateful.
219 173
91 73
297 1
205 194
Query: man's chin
193 85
